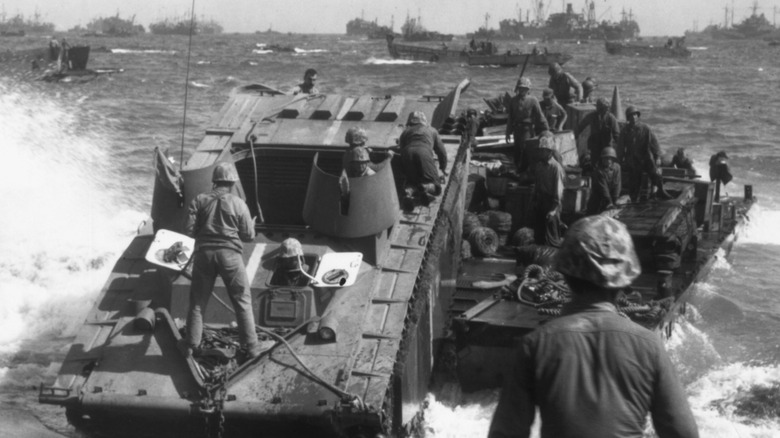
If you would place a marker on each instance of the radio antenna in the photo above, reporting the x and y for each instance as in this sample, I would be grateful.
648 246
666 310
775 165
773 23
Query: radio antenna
186 85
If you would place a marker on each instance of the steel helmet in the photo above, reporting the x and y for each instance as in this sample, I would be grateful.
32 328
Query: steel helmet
554 68
602 102
522 237
547 140
599 250
291 247
356 136
609 152
547 92
417 118
225 172
589 84
632 110
359 154
523 83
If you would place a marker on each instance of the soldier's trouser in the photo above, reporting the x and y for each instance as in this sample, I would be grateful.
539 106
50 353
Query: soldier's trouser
520 135
228 264
635 171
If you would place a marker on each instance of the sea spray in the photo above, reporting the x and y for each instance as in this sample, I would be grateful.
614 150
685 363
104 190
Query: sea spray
64 222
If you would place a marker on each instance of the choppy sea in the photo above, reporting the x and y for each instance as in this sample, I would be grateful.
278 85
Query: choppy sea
77 177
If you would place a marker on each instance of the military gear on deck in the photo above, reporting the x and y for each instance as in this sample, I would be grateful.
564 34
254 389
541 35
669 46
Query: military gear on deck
599 249
225 172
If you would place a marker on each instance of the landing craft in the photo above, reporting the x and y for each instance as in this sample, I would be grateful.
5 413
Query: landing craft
351 357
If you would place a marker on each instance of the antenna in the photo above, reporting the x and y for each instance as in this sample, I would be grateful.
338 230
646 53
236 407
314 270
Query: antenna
186 85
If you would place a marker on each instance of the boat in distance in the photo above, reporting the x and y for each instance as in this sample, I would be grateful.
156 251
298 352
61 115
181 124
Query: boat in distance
478 56
673 48
346 358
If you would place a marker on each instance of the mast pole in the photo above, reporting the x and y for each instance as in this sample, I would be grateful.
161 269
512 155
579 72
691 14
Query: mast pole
186 86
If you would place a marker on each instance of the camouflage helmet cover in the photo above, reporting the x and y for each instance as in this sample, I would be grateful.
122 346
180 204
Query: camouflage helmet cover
291 247
224 172
523 83
547 140
417 118
359 154
599 249
356 136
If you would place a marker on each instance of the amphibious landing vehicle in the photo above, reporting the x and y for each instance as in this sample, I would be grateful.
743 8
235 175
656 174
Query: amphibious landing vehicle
501 296
350 344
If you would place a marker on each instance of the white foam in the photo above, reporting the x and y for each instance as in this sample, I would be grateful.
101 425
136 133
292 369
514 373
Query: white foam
762 227
63 224
134 51
384 61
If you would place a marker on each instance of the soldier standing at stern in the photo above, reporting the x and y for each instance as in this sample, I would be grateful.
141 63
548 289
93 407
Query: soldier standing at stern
219 221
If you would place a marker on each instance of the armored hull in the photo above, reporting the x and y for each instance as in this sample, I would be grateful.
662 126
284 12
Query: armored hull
384 321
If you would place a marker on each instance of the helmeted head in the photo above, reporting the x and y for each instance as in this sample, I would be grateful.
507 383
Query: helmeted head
609 152
588 85
522 237
291 247
471 112
546 140
224 172
681 152
417 118
358 155
547 93
523 83
554 69
356 136
599 250
632 110
602 104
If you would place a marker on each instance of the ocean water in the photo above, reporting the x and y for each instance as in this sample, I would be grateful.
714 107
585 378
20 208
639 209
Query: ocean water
77 183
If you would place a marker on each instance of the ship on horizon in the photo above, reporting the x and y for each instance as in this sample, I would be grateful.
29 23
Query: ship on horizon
754 26
568 24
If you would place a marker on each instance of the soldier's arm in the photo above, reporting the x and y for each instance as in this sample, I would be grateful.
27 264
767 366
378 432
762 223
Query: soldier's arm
191 226
539 116
516 408
672 416
438 148
246 224
577 86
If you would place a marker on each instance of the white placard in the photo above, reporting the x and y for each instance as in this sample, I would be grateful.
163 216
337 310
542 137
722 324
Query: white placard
338 269
163 240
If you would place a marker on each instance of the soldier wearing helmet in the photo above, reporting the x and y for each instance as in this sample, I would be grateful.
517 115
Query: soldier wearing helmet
601 127
358 161
220 221
553 112
290 264
355 137
589 85
548 177
562 84
592 372
607 183
524 120
419 144
642 155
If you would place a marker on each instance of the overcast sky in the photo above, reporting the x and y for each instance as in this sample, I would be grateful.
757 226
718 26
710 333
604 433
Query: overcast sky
655 17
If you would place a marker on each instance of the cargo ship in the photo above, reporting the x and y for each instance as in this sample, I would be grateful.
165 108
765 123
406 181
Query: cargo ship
565 25
344 358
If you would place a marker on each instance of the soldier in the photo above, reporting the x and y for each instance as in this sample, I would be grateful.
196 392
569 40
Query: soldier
355 137
681 161
606 183
589 85
291 264
641 154
553 112
219 221
548 195
419 142
524 119
592 372
358 162
604 129
307 87
562 83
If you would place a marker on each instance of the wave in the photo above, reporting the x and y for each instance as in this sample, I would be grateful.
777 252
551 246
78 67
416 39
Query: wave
385 61
133 51
68 220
